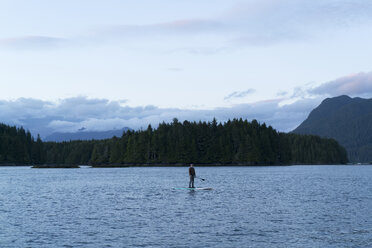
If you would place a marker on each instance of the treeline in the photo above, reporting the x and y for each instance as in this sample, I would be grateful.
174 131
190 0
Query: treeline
17 146
234 142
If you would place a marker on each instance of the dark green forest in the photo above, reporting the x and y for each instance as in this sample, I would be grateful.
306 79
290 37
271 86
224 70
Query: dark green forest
235 142
17 146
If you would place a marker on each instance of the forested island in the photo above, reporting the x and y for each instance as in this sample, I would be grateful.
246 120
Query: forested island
235 142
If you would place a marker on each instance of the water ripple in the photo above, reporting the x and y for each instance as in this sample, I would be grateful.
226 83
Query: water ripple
297 206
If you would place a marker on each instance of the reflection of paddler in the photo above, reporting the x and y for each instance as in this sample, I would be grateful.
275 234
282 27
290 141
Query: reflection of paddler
192 175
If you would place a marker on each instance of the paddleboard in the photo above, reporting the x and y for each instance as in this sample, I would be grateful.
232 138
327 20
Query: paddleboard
195 188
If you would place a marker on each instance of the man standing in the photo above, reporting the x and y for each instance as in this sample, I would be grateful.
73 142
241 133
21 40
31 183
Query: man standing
192 175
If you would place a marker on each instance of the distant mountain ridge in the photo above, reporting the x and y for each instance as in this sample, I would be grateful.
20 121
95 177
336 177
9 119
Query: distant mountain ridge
345 119
85 135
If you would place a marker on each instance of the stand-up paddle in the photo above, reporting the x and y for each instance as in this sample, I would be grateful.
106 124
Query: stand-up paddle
203 179
192 175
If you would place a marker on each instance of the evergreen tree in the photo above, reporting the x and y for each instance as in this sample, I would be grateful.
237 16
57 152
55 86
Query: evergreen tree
235 142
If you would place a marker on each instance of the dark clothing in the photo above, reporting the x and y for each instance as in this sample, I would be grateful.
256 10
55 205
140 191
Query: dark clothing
191 182
192 171
192 175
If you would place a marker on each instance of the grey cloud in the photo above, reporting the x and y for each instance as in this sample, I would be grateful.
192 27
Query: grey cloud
282 93
266 22
359 84
256 22
33 42
267 36
191 25
261 22
240 94
72 114
114 32
169 28
175 69
200 50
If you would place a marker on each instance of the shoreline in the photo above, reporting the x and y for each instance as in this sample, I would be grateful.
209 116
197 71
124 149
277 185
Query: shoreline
55 166
73 166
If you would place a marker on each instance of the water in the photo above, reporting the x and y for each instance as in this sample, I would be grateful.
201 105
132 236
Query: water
295 206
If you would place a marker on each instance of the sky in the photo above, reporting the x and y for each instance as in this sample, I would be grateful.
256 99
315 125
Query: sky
111 64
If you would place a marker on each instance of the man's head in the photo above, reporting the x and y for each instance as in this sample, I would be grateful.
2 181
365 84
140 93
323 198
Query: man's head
191 165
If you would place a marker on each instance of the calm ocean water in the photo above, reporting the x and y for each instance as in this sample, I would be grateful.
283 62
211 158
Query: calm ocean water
293 206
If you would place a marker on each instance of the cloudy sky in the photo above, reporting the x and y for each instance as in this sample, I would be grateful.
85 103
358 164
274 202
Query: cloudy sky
110 64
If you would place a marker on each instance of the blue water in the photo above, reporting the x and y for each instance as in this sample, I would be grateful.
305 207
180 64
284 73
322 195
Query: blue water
294 206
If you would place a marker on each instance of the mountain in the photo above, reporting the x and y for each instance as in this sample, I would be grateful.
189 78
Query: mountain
85 135
347 120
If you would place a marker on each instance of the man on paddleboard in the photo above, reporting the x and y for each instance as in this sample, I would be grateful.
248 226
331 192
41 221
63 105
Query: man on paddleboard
192 175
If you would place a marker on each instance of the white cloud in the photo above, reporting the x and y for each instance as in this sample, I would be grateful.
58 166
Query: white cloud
72 114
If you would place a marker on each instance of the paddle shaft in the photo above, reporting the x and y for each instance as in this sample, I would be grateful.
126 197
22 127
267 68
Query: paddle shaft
201 178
